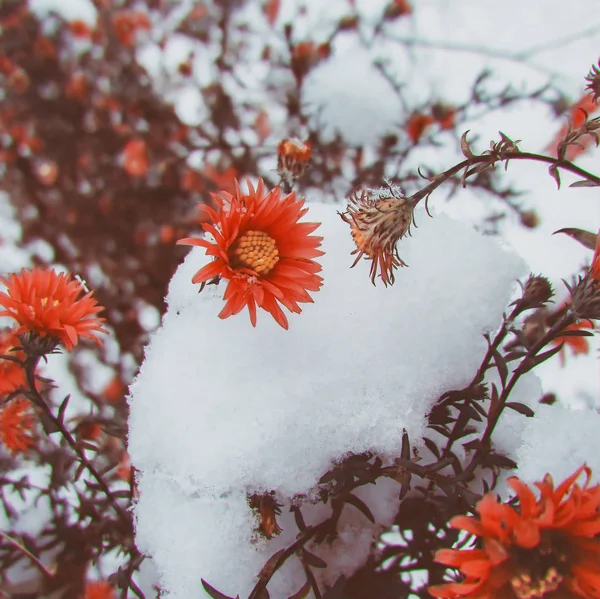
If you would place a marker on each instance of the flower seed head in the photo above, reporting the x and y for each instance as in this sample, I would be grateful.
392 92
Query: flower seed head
378 219
593 79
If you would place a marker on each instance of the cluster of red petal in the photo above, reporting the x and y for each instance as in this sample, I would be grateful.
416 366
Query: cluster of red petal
578 345
294 274
595 267
49 304
16 424
417 124
12 375
578 114
99 590
294 149
569 514
127 23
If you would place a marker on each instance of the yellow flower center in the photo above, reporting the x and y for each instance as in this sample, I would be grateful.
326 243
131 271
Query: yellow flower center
525 587
255 250
540 571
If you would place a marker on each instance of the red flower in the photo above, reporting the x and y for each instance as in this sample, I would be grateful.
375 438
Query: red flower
123 471
294 149
417 124
444 115
292 159
578 114
80 29
77 87
271 10
99 590
127 23
378 220
49 304
16 424
12 375
547 546
135 158
595 267
397 8
578 345
262 250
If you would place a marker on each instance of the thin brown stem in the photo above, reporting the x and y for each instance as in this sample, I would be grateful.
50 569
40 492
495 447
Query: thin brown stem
32 558
451 172
30 366
523 367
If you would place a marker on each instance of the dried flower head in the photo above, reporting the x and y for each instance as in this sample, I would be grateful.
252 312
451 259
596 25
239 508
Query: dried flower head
293 157
378 219
16 425
585 295
593 79
50 304
545 547
12 374
268 510
537 290
262 250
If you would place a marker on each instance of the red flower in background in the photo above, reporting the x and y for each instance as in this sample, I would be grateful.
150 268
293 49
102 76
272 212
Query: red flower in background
99 590
135 158
417 124
293 157
80 29
127 23
12 375
271 10
595 267
262 250
545 547
51 304
578 345
444 115
577 114
16 424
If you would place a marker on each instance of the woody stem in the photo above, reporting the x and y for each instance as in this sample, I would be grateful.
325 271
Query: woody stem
555 162
30 367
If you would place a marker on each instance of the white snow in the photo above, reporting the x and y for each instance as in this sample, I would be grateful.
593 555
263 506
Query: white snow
220 408
558 441
347 96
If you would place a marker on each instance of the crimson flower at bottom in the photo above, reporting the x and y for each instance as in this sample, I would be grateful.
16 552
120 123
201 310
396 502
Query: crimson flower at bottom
262 250
547 547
